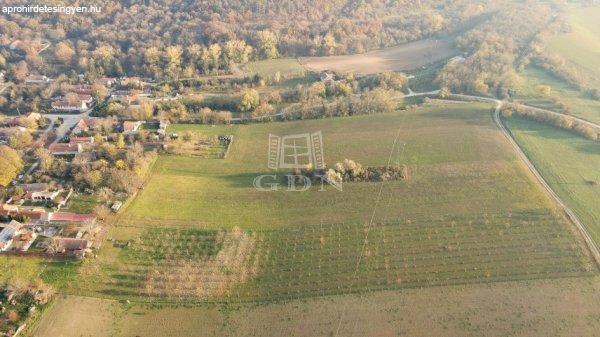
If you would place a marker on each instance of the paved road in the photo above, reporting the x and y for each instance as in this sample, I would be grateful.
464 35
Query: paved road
69 121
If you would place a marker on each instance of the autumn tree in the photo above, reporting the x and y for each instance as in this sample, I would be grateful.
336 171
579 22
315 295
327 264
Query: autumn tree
267 44
10 165
250 99
63 52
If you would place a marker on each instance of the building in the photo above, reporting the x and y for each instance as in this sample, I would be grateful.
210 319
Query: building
43 195
8 233
84 125
87 99
107 81
35 187
64 105
70 246
131 127
125 96
71 218
116 206
81 140
64 149
34 214
132 81
37 79
83 89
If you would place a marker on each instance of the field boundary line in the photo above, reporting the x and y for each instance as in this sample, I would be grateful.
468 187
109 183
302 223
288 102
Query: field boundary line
370 225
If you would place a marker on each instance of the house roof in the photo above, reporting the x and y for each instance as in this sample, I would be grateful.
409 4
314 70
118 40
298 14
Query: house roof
71 244
71 217
35 187
86 123
63 103
64 147
81 140
131 125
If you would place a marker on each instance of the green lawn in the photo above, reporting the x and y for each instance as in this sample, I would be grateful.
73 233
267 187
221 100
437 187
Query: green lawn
569 163
470 212
81 203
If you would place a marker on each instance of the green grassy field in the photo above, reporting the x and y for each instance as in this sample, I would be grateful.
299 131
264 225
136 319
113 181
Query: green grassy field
581 46
579 102
454 151
570 164
423 231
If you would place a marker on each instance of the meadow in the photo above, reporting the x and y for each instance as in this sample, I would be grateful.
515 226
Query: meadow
468 213
570 164
581 45
455 155
565 307
578 101
408 56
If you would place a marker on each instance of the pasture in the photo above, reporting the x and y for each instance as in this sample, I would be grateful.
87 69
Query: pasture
408 56
453 152
581 46
578 101
569 163
196 214
528 308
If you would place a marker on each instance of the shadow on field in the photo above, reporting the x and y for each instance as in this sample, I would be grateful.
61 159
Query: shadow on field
589 148
245 180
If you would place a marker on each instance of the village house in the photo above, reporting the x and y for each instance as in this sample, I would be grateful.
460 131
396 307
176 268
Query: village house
34 214
125 96
71 218
43 195
86 98
107 81
162 127
131 81
37 79
64 105
81 140
16 237
83 89
64 149
131 127
70 246
8 233
34 187
84 125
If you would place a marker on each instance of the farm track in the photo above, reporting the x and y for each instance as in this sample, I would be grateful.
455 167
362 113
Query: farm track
592 246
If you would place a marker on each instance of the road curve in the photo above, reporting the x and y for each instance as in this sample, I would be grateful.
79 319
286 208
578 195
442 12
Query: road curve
593 248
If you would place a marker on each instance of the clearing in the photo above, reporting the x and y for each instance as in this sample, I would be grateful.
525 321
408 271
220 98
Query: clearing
405 57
